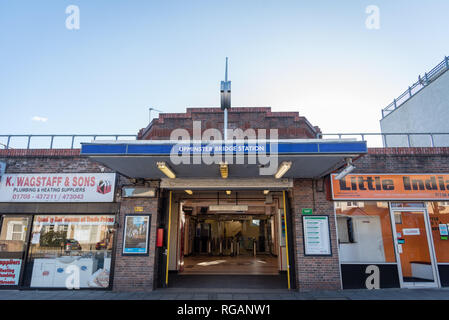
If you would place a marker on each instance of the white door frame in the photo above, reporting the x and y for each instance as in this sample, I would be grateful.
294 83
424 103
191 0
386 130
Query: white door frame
436 283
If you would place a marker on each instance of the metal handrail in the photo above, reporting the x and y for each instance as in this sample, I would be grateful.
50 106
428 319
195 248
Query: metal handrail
422 82
53 136
361 136
384 136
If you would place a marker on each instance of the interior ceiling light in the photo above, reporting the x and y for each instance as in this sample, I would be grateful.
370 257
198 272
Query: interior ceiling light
266 191
228 207
224 170
228 192
283 168
349 168
166 170
189 191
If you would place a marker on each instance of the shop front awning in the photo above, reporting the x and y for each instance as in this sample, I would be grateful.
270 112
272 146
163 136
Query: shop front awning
308 158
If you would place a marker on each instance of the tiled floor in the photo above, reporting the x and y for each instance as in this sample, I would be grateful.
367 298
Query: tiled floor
262 264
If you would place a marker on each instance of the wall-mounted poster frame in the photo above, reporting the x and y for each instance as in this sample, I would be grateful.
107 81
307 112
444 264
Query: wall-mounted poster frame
316 235
136 233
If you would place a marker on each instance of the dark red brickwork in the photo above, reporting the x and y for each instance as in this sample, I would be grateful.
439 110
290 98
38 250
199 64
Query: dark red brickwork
39 152
404 160
49 161
289 124
136 273
314 272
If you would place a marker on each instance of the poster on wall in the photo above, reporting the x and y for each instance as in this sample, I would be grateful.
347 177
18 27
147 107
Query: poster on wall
56 187
136 234
316 235
10 272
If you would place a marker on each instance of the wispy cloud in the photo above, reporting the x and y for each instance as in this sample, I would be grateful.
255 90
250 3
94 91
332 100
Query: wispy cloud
39 119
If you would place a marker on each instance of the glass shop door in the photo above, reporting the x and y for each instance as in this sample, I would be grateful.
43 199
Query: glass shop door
414 249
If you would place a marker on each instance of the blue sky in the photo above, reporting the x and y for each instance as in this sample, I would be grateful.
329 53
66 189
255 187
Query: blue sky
314 57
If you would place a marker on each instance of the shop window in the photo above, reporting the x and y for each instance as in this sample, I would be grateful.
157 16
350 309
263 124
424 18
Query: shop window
439 221
364 232
72 251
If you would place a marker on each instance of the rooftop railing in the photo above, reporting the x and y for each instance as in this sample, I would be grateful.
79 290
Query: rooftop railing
374 140
391 140
55 141
422 82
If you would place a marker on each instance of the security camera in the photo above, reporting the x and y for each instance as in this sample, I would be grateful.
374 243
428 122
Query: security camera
349 168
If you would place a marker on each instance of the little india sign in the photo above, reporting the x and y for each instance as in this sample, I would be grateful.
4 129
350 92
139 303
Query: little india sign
391 186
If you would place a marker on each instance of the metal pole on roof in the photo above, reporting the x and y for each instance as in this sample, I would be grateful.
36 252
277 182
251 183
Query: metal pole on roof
225 101
149 111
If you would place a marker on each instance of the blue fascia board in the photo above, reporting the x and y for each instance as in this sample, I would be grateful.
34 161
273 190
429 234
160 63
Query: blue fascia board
165 149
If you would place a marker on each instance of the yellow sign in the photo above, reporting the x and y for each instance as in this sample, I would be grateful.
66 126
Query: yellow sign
138 209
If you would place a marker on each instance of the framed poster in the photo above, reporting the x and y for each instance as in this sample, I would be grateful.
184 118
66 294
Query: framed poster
317 240
136 234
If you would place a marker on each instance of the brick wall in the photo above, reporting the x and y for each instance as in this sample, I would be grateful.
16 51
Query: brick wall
404 160
289 124
49 161
314 272
136 273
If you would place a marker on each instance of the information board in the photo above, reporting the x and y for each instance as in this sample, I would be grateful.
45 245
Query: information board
316 235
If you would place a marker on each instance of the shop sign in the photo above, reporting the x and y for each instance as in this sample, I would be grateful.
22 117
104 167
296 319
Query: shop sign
61 220
391 187
411 232
138 209
306 211
10 272
55 187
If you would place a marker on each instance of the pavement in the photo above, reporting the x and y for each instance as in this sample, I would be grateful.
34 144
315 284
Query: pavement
226 294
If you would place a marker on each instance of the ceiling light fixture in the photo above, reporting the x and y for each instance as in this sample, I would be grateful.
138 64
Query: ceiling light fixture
224 170
166 170
283 168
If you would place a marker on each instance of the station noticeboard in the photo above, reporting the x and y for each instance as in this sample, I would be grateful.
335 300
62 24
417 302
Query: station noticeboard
391 187
316 235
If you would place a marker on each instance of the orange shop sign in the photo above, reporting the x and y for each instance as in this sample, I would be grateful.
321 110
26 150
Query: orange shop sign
391 187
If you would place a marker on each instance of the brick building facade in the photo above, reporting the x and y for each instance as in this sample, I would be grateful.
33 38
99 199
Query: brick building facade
136 273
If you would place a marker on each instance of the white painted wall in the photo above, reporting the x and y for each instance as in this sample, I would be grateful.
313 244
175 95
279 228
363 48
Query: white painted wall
427 111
